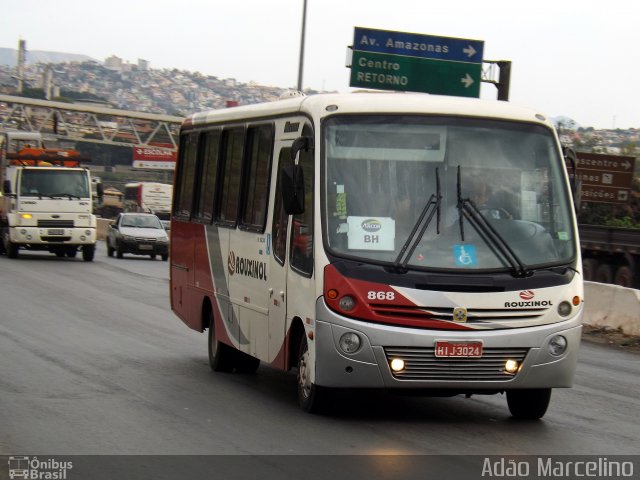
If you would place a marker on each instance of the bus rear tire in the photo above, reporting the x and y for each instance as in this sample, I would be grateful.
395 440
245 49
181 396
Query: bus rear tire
221 355
528 404
246 363
311 397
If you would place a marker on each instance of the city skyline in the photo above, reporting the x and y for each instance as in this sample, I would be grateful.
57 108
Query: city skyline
569 58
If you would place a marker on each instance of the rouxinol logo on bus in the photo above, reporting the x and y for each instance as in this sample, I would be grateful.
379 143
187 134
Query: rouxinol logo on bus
371 225
246 267
528 295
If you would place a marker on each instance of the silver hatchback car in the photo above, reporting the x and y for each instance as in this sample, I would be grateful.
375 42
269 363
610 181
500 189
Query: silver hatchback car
137 233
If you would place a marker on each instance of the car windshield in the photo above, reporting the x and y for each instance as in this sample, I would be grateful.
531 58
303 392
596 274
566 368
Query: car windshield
140 221
396 187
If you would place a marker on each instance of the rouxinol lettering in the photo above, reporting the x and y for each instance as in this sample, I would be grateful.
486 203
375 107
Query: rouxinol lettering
536 303
251 268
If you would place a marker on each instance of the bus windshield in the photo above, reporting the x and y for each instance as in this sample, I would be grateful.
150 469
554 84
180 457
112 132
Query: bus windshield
505 179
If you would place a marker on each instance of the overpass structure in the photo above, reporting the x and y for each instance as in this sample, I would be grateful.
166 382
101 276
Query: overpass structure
89 123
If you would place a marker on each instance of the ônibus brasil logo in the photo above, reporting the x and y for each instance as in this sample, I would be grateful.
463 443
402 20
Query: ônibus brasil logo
246 266
527 296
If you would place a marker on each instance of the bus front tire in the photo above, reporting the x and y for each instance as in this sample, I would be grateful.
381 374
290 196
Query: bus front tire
528 404
221 356
311 397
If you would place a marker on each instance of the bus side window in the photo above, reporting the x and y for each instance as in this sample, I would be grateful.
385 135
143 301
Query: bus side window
230 172
257 177
207 174
280 217
183 202
302 224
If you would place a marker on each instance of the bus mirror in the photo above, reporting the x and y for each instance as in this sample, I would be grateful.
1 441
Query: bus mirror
571 158
7 187
301 143
292 189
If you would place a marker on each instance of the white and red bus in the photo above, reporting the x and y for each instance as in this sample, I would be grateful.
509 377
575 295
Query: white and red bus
148 197
381 240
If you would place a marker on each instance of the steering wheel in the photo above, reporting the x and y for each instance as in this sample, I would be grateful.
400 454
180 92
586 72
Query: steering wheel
495 213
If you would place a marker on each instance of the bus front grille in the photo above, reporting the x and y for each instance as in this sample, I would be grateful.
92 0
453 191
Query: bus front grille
422 364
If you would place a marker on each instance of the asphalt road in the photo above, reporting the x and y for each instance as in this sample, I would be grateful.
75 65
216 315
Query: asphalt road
93 362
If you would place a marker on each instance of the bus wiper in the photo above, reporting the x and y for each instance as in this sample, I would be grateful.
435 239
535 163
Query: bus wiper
468 209
432 207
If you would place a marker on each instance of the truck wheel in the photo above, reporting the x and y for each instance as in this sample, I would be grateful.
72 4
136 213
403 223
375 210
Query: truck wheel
528 404
624 276
165 256
88 252
604 274
589 267
311 397
221 355
12 249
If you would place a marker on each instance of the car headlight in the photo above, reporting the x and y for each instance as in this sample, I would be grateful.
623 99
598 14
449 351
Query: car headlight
163 239
129 238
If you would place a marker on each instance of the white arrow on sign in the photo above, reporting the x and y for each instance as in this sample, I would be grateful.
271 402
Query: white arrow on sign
467 80
470 51
626 165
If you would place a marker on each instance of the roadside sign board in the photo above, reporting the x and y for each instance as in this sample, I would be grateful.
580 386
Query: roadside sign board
394 72
418 45
402 61
154 158
605 178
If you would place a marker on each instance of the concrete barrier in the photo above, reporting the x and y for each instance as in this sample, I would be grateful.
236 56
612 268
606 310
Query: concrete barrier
612 306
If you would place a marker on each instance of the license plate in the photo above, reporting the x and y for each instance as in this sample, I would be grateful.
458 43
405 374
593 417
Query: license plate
145 247
448 349
56 231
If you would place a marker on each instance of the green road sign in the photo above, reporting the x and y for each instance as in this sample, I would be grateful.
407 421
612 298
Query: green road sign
414 74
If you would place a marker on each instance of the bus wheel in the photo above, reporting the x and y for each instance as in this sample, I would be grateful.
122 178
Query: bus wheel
312 398
528 404
246 363
221 356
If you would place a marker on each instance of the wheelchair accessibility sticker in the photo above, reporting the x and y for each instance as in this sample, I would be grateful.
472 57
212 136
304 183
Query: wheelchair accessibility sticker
465 255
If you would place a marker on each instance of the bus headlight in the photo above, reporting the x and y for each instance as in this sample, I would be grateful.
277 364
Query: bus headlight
397 364
564 309
557 345
347 303
350 342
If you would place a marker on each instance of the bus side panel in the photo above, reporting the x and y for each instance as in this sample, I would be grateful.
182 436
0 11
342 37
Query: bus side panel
182 262
248 291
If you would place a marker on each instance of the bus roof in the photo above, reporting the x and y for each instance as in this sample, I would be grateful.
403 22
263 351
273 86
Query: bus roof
370 102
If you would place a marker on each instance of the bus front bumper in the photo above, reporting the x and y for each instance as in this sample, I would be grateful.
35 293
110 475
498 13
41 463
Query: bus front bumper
369 367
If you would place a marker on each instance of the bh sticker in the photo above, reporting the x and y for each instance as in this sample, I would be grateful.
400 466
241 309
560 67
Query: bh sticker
465 255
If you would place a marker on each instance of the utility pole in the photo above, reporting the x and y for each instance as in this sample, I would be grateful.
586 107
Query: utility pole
301 62
22 55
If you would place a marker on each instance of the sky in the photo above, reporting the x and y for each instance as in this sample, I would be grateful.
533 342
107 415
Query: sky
579 59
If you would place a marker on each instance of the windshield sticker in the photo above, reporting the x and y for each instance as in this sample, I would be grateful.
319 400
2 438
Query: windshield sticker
465 255
368 233
563 236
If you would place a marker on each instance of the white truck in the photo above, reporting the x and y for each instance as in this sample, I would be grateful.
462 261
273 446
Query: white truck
46 200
